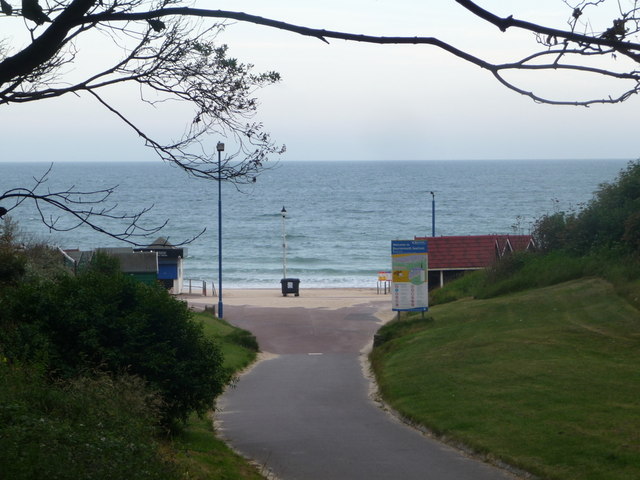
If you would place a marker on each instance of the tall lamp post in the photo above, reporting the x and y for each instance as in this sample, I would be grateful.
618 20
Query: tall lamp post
283 212
433 214
220 149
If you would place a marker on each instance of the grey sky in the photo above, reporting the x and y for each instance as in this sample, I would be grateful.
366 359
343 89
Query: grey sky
348 101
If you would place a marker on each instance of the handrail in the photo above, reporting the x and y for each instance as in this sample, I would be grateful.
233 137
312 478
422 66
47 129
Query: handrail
194 286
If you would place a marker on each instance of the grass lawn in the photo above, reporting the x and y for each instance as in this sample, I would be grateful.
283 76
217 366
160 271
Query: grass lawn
547 380
199 450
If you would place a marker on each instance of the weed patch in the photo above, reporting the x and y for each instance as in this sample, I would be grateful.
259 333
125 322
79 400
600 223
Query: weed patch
102 425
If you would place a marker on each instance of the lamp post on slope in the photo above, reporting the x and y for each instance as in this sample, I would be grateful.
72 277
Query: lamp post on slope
220 149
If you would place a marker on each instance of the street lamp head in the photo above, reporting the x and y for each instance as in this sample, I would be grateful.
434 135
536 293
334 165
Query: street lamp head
283 212
220 147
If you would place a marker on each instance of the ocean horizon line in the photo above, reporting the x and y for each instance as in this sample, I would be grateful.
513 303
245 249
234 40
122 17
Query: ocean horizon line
276 161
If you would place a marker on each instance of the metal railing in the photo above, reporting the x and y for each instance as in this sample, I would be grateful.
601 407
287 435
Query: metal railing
384 287
193 286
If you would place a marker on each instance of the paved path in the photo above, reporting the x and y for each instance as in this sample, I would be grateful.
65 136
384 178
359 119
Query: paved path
305 413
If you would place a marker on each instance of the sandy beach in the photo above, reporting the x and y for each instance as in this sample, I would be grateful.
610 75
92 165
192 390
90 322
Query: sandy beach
324 298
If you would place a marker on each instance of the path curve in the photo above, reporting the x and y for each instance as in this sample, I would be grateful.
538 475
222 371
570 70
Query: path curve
306 413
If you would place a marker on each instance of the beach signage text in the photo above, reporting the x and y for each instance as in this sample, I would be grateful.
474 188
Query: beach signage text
409 271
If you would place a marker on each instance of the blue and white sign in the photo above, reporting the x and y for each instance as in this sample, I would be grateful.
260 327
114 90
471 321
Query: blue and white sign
409 267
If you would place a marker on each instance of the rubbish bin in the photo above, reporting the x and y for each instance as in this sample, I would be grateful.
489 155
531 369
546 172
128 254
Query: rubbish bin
290 285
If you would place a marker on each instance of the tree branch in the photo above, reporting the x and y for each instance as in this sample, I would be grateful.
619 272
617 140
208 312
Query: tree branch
322 34
509 22
587 45
86 209
47 45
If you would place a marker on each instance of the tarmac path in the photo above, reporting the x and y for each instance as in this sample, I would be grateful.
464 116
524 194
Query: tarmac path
306 412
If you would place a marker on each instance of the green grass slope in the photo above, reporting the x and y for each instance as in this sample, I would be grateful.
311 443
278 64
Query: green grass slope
547 380
200 453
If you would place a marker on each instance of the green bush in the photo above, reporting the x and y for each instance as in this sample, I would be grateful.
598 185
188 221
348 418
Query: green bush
464 286
12 267
245 339
102 319
88 428
610 220
401 327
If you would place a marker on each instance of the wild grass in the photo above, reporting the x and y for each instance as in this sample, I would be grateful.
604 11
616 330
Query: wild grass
200 452
95 427
465 286
546 380
102 426
239 346
523 271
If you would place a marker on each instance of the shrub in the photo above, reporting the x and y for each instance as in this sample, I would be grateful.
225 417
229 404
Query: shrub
98 428
245 339
9 232
12 266
610 220
465 286
103 319
551 232
398 328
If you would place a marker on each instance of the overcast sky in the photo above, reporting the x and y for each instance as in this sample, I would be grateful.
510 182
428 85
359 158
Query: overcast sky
347 101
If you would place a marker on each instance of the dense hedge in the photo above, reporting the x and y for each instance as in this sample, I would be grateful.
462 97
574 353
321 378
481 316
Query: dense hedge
103 320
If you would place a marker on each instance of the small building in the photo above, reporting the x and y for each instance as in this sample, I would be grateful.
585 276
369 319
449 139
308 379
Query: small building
142 266
453 256
170 263
158 262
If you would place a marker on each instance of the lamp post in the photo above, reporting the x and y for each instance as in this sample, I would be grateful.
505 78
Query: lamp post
283 212
433 214
220 149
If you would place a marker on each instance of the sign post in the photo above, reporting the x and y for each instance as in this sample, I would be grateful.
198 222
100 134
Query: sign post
409 265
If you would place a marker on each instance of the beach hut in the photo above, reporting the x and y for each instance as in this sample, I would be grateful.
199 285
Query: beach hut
143 266
170 263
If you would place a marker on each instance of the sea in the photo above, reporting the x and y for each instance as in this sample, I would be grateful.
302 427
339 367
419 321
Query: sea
341 216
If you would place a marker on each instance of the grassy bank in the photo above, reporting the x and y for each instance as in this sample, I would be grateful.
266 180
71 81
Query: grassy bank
546 380
200 452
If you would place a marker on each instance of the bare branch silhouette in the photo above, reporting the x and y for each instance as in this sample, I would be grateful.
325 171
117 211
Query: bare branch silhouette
65 210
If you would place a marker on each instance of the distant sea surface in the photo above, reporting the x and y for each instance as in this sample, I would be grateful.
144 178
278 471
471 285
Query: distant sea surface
341 216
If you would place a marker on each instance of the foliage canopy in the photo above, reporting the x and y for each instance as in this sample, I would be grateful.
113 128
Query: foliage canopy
611 220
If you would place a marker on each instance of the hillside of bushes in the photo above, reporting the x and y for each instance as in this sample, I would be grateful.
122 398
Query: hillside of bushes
99 372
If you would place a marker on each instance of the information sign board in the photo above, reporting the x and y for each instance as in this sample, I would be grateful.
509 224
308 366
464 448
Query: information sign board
409 266
384 276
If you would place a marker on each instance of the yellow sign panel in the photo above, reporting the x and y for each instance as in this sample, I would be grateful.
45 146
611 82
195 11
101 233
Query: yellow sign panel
400 276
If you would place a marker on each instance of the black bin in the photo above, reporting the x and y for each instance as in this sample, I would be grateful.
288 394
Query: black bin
290 285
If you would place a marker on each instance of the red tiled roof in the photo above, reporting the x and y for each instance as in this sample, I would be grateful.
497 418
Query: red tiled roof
519 242
469 252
